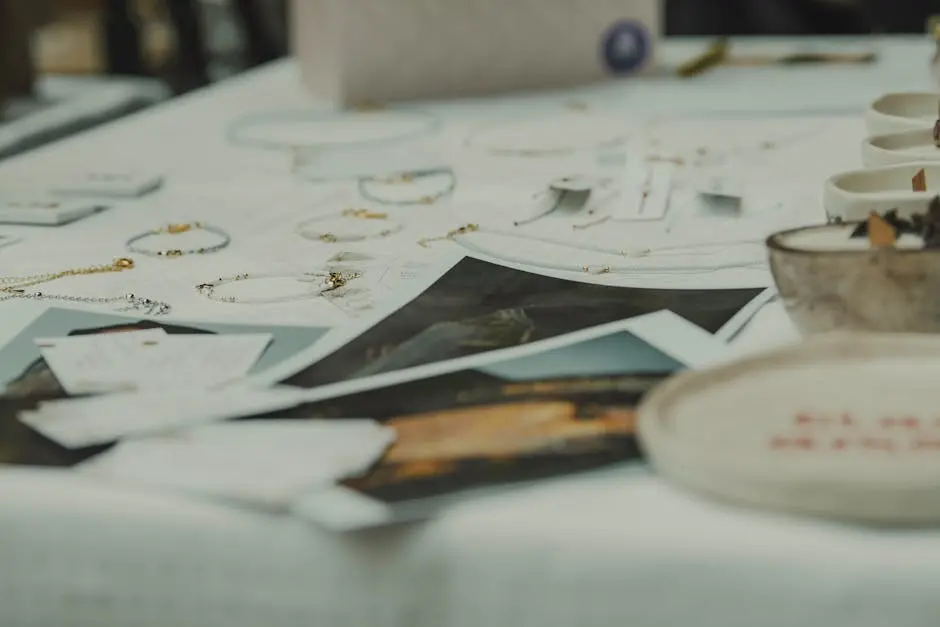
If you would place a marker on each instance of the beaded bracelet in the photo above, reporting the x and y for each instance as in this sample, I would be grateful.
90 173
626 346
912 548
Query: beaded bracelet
330 237
176 229
366 187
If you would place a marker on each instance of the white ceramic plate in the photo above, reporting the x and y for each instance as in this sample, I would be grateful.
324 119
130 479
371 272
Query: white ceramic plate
906 147
900 112
852 196
846 426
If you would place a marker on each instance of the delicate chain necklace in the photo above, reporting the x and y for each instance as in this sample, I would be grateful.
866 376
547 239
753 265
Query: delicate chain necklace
367 185
325 283
8 283
177 229
450 235
704 156
133 302
481 140
361 216
460 236
13 287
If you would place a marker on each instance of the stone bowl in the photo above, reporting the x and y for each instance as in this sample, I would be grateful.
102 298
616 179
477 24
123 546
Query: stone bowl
830 282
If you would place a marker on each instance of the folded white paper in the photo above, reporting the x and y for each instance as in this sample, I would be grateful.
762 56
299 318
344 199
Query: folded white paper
265 462
150 360
95 363
81 422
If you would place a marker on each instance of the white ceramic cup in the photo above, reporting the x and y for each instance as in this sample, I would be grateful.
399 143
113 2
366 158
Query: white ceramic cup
853 195
896 148
900 112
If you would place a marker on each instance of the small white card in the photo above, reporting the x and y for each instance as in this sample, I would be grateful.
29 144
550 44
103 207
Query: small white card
721 186
199 361
660 191
109 185
45 210
86 421
576 184
87 364
263 462
645 192
556 201
150 360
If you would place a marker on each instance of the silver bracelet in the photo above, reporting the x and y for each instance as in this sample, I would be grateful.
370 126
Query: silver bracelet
387 227
177 229
366 191
322 283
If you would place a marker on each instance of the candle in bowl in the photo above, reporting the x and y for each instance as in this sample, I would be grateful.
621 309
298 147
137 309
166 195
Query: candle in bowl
829 280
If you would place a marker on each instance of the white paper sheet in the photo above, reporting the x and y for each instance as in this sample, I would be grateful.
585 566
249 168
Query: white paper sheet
150 360
81 422
665 330
266 463
96 363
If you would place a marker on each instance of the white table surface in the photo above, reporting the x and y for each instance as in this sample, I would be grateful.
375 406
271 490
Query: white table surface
619 547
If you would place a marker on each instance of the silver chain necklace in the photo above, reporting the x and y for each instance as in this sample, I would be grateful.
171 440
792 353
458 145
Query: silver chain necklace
13 287
133 302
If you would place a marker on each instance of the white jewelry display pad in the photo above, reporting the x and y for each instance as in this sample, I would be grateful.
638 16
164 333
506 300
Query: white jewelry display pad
598 549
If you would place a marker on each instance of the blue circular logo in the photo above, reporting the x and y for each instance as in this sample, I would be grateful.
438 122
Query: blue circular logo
626 46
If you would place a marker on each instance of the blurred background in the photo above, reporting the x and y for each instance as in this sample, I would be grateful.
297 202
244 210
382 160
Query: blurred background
117 56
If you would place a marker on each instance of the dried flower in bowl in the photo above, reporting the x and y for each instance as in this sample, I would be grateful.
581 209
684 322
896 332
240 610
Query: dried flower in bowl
884 230
879 275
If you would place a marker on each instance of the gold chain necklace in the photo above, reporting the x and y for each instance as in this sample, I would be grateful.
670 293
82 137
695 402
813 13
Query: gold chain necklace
14 283
12 287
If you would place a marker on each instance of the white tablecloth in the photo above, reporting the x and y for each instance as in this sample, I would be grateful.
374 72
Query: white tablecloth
619 547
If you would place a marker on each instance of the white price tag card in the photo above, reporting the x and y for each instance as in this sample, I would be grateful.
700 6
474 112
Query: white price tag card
89 364
200 361
109 185
659 191
645 192
45 210
150 360
722 187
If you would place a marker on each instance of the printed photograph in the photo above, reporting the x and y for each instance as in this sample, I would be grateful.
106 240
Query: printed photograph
560 411
477 307
26 379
